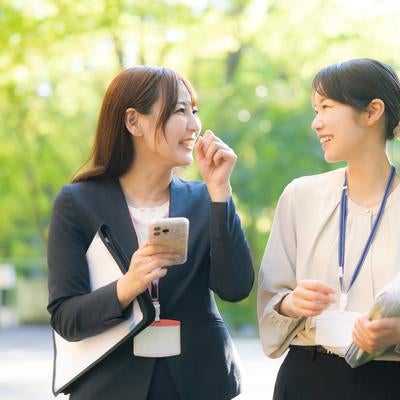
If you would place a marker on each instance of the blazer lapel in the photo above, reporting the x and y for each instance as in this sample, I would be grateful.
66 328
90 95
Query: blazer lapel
178 198
179 206
117 216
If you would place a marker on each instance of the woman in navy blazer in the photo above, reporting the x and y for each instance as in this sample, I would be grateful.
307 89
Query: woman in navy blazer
148 125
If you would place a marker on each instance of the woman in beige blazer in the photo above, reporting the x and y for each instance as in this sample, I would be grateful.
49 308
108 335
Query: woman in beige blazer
334 245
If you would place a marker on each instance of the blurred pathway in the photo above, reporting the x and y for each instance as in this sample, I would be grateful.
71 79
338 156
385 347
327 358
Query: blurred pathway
26 366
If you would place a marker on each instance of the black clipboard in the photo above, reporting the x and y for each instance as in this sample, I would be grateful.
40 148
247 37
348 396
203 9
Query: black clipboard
107 262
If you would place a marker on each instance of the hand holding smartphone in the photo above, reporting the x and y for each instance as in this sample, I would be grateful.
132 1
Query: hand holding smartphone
172 233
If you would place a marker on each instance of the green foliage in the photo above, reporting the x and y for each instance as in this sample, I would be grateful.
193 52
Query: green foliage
251 61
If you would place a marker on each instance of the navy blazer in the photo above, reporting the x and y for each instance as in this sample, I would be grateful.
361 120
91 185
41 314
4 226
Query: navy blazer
218 261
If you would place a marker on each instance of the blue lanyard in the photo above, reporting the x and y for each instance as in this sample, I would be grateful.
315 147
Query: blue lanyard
342 235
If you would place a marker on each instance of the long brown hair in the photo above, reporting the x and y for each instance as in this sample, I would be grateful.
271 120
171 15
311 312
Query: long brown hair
139 88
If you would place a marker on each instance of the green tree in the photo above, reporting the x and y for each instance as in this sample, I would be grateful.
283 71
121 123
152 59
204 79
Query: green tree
252 62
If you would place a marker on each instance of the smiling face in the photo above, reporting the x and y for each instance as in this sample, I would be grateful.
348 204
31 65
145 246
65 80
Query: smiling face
175 146
339 129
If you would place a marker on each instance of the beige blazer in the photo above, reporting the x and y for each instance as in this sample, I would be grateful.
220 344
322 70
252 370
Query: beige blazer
303 244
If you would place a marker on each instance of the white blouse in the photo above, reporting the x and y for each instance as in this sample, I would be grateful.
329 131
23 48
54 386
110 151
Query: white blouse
142 217
303 244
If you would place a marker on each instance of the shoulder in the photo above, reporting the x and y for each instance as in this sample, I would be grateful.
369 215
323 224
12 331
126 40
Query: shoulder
194 187
75 189
307 194
84 191
326 183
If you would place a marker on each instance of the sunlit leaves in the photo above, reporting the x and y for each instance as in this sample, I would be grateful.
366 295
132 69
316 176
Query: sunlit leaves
251 61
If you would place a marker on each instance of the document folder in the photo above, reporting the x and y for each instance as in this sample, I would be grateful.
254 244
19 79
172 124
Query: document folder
107 263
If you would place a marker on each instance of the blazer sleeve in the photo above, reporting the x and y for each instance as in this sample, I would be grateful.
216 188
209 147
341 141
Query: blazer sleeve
231 268
76 312
277 278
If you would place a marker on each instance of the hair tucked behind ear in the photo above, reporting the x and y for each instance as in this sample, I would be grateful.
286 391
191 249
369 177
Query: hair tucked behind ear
139 88
357 82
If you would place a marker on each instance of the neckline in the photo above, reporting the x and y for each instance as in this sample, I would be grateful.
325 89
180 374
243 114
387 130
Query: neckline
147 209
356 208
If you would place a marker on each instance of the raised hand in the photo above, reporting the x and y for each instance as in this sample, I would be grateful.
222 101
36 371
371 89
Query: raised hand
308 299
215 160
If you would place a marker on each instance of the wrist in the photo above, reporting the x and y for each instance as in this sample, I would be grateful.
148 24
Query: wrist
123 295
220 193
285 308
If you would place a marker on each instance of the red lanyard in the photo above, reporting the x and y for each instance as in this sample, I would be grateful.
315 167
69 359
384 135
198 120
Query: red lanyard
154 293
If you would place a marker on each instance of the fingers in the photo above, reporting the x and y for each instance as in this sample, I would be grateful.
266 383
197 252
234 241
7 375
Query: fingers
316 286
309 298
156 263
376 328
224 155
213 150
381 325
156 274
307 308
312 295
363 337
152 257
199 148
374 335
147 249
150 252
148 263
360 341
314 292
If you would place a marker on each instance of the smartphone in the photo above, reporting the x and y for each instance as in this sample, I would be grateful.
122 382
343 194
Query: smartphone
173 233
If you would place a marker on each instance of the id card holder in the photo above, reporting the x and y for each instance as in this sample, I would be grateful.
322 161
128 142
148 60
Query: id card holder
161 339
334 328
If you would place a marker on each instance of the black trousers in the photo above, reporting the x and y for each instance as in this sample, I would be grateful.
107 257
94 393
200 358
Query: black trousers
308 375
162 384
